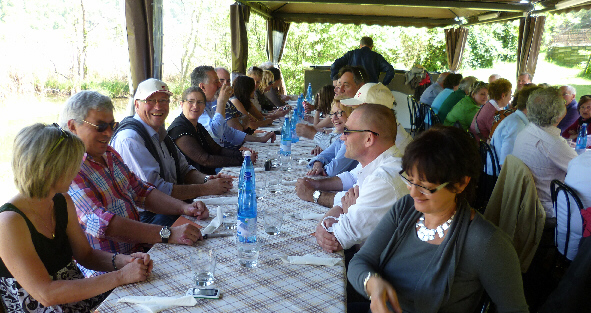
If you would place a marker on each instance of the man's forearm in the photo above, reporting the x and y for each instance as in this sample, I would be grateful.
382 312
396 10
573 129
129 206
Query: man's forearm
161 203
326 199
127 230
328 184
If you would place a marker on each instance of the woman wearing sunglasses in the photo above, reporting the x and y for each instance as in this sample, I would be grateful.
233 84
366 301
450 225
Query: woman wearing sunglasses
40 236
432 252
332 161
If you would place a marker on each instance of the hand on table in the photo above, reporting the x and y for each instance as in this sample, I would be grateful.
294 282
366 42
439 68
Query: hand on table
134 271
267 136
317 170
305 131
196 209
327 241
143 257
304 189
253 154
218 185
350 198
185 234
381 292
316 150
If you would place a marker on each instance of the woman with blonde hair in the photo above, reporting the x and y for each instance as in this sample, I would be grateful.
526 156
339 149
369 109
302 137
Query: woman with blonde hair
463 112
41 242
500 96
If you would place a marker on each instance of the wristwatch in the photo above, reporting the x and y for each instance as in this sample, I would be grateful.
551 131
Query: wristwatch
205 179
165 234
316 196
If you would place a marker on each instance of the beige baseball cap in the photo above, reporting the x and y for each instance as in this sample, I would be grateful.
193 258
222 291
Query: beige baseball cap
372 93
149 87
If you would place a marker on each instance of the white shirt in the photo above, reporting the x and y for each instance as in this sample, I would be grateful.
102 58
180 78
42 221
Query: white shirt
578 177
380 186
503 139
547 156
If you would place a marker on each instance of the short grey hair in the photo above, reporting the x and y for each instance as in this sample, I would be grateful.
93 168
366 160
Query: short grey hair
42 156
199 75
467 82
530 76
545 106
221 68
570 89
78 106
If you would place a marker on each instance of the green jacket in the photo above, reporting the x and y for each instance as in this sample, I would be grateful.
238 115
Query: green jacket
449 103
462 112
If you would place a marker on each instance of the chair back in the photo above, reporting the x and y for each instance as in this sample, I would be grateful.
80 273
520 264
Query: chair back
569 221
488 176
422 116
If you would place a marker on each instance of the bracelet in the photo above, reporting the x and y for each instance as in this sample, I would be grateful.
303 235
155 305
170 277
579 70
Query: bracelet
369 275
113 260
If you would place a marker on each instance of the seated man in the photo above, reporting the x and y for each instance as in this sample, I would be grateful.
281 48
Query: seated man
373 186
214 116
432 91
144 145
350 79
107 194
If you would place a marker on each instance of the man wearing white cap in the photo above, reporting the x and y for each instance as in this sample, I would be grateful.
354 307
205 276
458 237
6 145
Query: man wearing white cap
143 144
369 190
380 94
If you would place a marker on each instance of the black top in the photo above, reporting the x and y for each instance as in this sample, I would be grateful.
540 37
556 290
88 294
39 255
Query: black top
55 253
211 155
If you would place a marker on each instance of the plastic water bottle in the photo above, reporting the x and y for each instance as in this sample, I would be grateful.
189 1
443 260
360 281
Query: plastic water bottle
309 97
248 252
285 146
299 112
582 139
293 121
246 167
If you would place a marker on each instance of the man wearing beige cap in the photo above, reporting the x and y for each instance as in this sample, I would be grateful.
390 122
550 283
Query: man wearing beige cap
143 144
380 94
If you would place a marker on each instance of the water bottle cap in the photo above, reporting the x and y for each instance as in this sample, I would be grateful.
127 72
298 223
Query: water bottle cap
246 153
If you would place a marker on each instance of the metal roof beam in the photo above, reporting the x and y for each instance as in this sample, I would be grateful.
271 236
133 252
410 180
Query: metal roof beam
258 8
470 5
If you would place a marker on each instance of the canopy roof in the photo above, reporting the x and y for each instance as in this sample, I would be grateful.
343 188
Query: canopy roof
419 13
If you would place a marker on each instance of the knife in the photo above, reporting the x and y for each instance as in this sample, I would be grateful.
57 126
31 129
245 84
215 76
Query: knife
216 235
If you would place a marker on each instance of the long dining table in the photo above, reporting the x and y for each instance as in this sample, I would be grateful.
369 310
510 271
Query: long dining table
273 286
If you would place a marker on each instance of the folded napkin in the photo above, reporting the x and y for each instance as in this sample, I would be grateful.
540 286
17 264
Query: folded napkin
219 200
310 260
214 224
308 216
259 169
157 304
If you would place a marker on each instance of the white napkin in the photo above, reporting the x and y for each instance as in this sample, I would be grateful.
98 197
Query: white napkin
259 169
214 224
289 183
157 304
308 216
310 260
219 200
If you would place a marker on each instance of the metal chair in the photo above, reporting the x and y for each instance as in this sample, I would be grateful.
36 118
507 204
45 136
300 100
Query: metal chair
569 221
422 116
488 176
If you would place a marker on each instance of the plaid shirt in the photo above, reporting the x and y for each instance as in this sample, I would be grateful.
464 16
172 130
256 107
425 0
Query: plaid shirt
99 193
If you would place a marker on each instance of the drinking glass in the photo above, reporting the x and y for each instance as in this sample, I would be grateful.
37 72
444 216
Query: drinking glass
229 216
273 222
273 186
203 264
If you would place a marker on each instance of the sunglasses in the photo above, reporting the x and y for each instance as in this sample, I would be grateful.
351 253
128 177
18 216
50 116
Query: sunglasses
349 131
63 136
103 126
424 190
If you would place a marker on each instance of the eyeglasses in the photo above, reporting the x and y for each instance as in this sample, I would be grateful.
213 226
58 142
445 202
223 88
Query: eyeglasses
424 190
103 126
349 131
193 102
337 114
154 101
63 136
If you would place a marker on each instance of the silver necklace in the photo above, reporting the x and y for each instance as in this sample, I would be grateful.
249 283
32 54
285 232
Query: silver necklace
426 234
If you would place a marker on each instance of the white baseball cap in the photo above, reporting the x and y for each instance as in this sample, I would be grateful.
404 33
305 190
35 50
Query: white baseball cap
149 87
372 93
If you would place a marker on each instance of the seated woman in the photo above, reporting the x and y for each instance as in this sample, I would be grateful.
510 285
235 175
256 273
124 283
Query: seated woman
463 112
260 101
193 139
540 146
241 113
584 109
500 96
332 161
450 84
42 240
432 252
455 97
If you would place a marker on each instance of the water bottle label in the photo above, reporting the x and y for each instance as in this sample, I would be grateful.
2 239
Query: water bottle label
246 229
285 147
